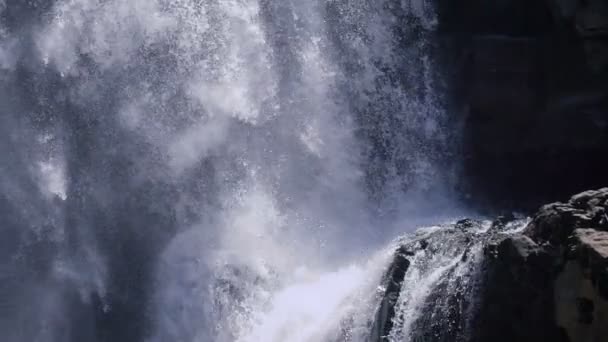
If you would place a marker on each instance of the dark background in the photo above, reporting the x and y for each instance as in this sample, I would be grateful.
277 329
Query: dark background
528 82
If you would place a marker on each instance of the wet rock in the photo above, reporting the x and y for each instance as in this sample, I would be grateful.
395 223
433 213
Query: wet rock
442 314
500 223
519 248
393 278
581 288
423 244
526 284
467 224
589 199
591 248
464 224
446 310
547 283
559 266
516 300
555 222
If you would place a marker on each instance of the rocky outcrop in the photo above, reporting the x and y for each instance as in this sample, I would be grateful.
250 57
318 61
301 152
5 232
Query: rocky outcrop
393 279
551 282
516 301
555 222
546 282
581 288
426 291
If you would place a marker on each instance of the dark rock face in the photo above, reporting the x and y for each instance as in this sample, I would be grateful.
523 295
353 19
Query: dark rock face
393 279
591 251
442 313
530 81
548 282
555 222
581 288
516 299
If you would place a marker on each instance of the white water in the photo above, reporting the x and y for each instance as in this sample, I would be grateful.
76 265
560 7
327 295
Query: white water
285 142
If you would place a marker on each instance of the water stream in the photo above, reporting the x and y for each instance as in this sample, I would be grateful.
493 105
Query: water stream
217 170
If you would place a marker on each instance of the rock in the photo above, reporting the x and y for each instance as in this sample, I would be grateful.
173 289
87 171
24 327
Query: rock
423 244
594 240
519 248
516 299
501 222
581 288
574 238
464 224
393 278
590 199
591 248
555 222
592 21
547 283
442 308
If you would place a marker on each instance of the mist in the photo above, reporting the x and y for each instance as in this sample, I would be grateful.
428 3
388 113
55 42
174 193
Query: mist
199 170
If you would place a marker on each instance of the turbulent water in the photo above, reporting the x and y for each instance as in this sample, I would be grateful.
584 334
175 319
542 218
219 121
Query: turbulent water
214 170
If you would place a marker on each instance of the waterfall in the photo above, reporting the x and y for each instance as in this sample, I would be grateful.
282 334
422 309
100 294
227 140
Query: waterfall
216 170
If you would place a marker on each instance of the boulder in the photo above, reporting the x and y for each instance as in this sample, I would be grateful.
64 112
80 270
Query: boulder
442 312
555 222
581 288
547 283
516 298
502 222
592 253
575 234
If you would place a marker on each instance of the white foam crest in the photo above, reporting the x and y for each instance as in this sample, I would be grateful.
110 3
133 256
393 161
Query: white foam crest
417 286
315 306
303 312
240 81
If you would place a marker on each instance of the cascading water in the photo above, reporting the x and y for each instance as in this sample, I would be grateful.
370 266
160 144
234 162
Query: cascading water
216 170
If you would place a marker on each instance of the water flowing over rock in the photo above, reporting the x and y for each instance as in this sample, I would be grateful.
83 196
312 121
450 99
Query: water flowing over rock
545 280
185 170
436 298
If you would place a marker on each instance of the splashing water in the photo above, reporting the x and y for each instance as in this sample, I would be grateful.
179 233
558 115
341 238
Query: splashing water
212 170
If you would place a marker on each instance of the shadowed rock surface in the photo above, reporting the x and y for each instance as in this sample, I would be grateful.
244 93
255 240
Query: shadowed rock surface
545 282
429 288
393 280
581 292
